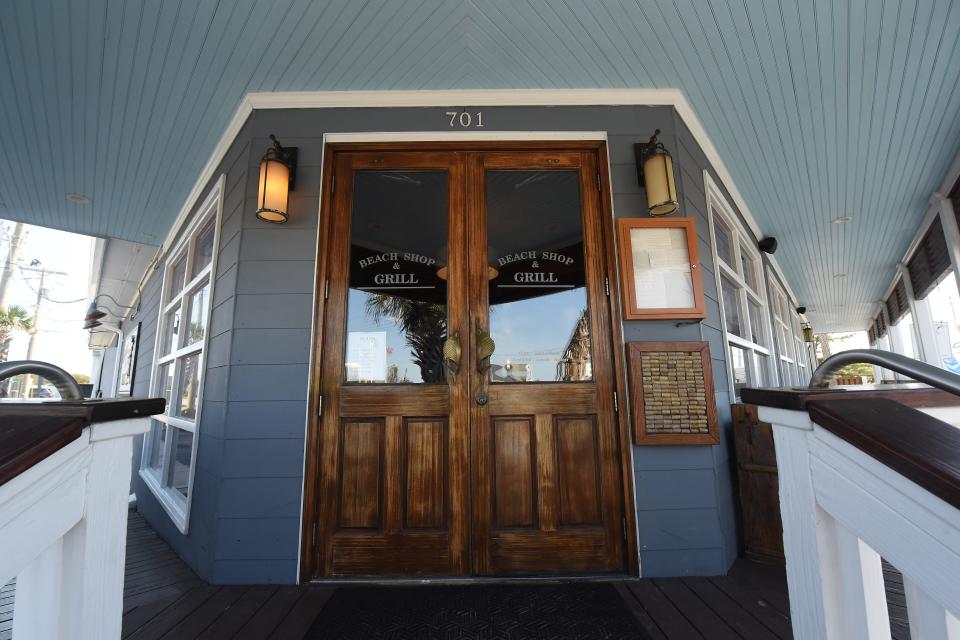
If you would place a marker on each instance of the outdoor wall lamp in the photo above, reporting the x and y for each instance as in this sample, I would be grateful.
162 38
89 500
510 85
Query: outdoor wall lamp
807 333
278 172
655 173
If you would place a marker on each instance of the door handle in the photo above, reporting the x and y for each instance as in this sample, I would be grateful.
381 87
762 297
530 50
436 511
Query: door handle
452 351
485 348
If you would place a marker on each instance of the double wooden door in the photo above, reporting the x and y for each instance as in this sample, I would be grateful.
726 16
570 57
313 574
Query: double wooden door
467 421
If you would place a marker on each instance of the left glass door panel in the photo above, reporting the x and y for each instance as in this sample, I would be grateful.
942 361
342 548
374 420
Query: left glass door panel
397 300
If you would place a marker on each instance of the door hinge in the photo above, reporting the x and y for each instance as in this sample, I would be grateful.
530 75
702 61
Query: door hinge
598 181
314 542
326 289
623 525
606 286
616 405
319 405
333 183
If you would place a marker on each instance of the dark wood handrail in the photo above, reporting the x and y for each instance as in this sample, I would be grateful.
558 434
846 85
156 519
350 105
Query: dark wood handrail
32 431
919 447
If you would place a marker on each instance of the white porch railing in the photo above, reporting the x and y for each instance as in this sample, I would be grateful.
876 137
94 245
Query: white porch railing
842 511
63 526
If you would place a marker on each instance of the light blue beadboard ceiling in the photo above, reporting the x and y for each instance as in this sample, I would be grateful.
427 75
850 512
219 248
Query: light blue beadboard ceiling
819 108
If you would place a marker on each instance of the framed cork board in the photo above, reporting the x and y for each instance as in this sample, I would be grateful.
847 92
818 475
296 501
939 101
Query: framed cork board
671 393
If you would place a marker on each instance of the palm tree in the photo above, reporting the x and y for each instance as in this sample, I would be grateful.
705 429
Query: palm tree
424 325
13 318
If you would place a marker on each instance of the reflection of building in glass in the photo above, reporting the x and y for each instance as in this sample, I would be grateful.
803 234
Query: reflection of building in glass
574 364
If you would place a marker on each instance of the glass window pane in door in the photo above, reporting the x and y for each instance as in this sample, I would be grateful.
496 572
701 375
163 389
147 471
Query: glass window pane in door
397 302
539 318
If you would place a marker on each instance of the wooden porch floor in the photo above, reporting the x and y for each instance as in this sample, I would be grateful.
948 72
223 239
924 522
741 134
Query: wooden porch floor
163 598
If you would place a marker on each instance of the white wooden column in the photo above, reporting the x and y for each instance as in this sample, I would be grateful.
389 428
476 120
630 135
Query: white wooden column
922 322
951 231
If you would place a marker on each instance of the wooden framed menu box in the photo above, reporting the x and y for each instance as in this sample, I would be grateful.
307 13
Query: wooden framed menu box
671 393
660 269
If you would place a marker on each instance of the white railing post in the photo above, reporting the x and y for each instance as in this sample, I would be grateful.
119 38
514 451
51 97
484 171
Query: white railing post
928 618
800 522
835 580
71 586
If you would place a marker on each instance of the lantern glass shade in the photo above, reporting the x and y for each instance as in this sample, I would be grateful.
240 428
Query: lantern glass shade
274 192
658 182
807 334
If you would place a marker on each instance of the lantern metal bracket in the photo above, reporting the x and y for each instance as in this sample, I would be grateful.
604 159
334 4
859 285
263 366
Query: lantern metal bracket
642 149
286 155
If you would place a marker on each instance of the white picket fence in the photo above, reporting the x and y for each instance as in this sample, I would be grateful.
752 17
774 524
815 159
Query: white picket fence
842 511
63 528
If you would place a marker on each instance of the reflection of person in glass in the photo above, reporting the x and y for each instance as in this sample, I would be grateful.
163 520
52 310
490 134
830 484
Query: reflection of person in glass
424 327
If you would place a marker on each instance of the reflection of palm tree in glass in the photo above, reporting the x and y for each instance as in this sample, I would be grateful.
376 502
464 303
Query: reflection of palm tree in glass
424 326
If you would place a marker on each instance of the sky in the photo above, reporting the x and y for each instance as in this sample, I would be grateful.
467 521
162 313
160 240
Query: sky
60 339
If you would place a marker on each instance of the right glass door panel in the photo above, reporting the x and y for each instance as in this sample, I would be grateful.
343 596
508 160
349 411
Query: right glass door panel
539 316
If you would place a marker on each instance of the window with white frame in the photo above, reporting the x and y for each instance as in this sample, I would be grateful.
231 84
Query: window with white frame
742 296
170 447
784 333
803 353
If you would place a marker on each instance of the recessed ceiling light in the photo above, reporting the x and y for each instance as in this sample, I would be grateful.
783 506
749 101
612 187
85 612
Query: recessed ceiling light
78 198
842 220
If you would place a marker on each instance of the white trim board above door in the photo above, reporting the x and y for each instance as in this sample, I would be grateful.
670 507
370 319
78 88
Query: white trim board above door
473 98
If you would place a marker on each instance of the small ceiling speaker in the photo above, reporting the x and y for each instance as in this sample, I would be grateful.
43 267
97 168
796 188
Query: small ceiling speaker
768 245
801 310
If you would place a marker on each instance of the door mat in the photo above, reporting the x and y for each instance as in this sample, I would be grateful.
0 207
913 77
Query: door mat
581 610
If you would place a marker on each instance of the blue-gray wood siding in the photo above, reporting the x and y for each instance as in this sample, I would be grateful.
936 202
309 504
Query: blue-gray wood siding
244 525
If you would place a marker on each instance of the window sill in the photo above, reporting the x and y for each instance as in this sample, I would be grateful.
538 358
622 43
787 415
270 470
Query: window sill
171 501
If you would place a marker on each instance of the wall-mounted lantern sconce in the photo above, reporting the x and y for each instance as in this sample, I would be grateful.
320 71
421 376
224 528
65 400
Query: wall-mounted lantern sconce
655 173
278 172
807 333
768 245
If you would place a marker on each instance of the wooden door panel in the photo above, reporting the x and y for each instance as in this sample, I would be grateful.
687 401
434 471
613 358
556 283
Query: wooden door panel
361 474
578 470
425 473
514 470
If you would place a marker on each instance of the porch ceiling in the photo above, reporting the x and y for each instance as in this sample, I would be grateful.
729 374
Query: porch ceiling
819 109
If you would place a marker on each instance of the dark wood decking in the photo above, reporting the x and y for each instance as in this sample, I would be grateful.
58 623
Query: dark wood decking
163 598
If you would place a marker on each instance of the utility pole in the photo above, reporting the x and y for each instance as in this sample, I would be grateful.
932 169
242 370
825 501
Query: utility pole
36 316
13 256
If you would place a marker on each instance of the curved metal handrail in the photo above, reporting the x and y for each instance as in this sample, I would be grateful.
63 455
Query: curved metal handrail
63 381
921 371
